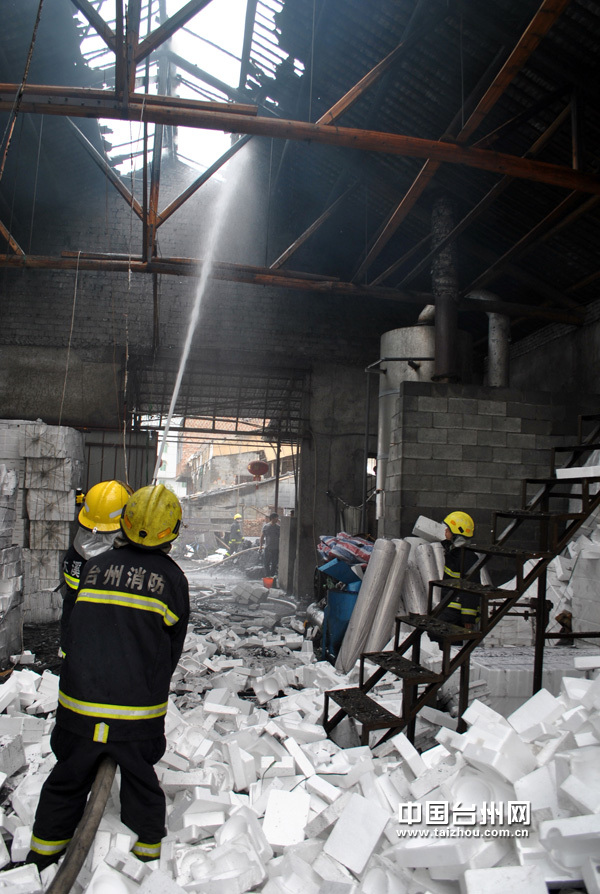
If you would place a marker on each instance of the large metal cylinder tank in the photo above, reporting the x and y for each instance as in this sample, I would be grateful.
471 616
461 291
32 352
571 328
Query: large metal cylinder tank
410 343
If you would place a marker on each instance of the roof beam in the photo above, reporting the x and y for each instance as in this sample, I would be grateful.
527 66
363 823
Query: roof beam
278 262
12 242
168 28
552 224
206 175
264 276
107 170
547 14
97 23
485 202
162 111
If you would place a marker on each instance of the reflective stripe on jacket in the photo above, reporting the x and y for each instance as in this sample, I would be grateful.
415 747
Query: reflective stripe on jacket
124 640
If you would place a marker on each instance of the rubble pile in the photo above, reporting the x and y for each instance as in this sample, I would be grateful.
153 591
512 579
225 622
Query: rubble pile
260 800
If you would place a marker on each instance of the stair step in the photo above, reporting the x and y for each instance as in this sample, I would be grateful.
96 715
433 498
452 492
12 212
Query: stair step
577 448
402 667
536 515
358 705
470 586
509 552
555 480
441 629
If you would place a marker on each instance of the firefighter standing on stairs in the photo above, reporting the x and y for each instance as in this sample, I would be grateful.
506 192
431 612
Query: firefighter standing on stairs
463 608
125 638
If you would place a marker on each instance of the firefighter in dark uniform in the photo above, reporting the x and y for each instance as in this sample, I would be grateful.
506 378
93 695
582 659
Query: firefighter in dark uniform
125 638
99 521
235 538
463 609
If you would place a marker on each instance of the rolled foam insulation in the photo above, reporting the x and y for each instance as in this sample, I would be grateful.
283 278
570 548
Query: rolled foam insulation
391 600
369 596
413 591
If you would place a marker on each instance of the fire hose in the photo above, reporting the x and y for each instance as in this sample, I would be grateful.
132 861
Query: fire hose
82 840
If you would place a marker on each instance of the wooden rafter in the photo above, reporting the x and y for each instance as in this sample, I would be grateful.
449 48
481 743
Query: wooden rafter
106 169
264 276
308 232
132 36
12 242
196 72
539 26
483 203
247 43
410 36
551 224
168 28
161 111
166 213
97 22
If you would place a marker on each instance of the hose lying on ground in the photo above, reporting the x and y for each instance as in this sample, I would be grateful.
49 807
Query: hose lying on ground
82 840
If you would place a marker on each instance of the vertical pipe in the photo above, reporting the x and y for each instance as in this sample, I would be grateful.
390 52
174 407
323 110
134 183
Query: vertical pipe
278 467
498 341
363 510
444 285
540 633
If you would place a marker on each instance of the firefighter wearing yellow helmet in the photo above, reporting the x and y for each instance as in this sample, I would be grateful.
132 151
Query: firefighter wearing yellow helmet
152 517
463 608
99 521
125 638
235 538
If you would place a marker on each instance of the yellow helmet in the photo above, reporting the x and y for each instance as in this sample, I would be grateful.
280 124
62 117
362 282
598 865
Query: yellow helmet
103 504
152 516
460 523
236 516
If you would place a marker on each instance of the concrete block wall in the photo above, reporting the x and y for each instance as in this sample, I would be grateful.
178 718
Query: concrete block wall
469 447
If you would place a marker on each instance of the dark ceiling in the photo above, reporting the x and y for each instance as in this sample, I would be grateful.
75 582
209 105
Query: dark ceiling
517 79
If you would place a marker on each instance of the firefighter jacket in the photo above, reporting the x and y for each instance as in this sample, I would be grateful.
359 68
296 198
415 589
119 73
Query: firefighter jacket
124 640
71 569
465 604
235 539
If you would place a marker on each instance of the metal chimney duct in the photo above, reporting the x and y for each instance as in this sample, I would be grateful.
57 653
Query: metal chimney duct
409 342
498 341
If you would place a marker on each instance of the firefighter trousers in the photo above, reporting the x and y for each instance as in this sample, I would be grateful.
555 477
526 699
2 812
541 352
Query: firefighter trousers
64 794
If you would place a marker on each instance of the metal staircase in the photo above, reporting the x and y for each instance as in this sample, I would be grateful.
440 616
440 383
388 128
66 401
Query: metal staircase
554 528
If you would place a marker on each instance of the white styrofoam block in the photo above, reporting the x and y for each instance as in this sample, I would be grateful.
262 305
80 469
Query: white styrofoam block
317 785
541 707
20 844
573 839
159 882
24 879
428 529
410 754
498 880
356 833
539 788
244 822
590 870
286 817
127 864
586 662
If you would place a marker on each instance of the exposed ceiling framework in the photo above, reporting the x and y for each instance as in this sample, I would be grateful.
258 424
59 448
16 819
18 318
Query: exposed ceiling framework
491 101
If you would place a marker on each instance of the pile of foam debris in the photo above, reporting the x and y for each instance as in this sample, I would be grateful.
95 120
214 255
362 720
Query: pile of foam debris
259 799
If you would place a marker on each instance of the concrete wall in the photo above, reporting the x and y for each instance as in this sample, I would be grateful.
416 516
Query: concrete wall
560 358
331 461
